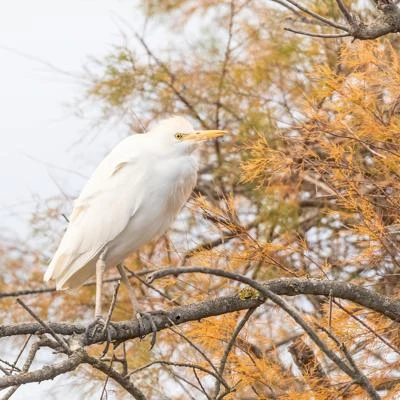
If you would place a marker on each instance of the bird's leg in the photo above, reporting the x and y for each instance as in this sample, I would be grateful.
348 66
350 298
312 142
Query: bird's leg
135 306
99 323
100 269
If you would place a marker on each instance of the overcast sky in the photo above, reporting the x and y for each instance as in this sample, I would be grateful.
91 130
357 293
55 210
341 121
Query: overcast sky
37 121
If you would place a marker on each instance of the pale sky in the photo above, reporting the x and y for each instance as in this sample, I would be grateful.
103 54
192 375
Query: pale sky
37 120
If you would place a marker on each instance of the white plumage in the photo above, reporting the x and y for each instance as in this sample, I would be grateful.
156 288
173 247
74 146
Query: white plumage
132 197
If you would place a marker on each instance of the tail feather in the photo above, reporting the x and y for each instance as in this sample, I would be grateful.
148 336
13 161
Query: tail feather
71 272
76 278
56 264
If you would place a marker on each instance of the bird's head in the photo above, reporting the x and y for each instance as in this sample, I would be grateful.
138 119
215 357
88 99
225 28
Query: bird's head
179 132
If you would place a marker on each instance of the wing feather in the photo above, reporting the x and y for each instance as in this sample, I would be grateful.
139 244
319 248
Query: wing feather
102 211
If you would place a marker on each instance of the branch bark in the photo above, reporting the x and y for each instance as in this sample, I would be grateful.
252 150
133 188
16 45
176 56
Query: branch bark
387 21
178 315
44 373
75 359
127 330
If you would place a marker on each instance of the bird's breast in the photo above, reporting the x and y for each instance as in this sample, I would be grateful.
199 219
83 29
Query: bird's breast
166 187
178 184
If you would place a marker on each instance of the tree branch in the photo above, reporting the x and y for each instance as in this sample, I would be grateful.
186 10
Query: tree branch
387 21
230 345
286 286
45 373
127 330
171 82
76 358
319 35
124 381
28 292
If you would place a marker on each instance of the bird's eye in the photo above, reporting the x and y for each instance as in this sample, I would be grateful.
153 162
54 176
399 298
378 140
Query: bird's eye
178 136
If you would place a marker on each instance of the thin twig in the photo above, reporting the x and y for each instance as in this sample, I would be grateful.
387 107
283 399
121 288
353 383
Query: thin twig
230 345
345 11
107 377
173 364
20 352
365 325
179 378
27 292
116 376
318 17
124 361
59 340
225 63
29 360
112 306
170 83
361 379
204 355
152 287
224 237
330 309
200 384
108 318
9 364
319 35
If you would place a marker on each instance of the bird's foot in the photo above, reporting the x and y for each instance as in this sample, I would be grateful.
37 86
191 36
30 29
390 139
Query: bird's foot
141 316
99 325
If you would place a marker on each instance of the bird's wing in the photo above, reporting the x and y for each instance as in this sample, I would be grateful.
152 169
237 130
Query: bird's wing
102 211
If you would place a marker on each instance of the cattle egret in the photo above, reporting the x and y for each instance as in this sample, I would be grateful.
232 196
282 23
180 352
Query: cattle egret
132 198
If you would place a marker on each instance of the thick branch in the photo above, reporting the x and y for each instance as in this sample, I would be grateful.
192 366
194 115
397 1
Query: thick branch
45 373
70 364
387 21
130 329
287 286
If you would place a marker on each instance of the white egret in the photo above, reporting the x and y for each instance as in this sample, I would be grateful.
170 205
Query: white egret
132 197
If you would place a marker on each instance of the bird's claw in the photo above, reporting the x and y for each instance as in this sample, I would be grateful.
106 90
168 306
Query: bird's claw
144 315
97 326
